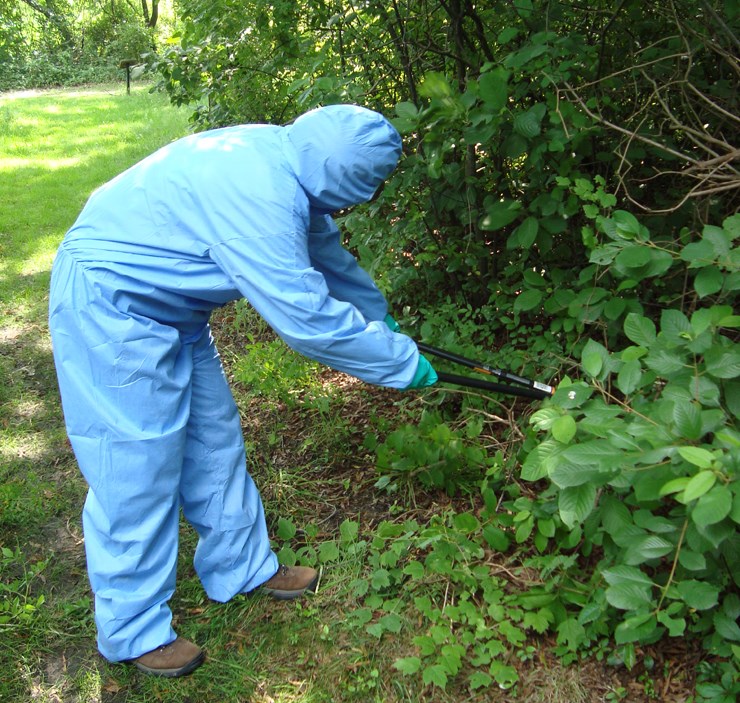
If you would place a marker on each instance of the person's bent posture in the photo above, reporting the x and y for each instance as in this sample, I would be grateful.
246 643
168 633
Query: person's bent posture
235 212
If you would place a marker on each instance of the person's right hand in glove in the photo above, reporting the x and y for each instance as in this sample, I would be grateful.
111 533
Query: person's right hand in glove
425 375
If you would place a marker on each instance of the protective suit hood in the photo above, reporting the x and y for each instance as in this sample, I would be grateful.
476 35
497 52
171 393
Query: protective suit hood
344 154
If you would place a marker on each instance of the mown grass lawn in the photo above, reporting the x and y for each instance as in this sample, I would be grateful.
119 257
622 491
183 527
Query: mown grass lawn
307 432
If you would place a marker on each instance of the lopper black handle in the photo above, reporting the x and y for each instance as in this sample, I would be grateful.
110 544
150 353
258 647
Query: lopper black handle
495 387
542 390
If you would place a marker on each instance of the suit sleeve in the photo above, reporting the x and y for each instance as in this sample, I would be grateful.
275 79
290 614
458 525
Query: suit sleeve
276 274
345 278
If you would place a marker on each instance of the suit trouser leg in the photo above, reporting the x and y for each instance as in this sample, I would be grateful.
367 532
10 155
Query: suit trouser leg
218 495
125 387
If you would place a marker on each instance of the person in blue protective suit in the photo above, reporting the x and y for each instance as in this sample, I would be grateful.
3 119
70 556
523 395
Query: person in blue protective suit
236 212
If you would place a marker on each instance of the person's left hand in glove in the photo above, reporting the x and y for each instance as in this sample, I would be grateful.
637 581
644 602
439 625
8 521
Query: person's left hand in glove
425 375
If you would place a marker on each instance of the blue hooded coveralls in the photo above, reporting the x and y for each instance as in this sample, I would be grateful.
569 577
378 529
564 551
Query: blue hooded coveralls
235 212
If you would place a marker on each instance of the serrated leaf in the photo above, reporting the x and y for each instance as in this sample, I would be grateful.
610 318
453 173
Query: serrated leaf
687 418
647 548
639 329
566 474
348 531
629 596
466 522
407 665
527 125
479 679
435 675
328 551
391 623
576 503
699 595
723 363
571 633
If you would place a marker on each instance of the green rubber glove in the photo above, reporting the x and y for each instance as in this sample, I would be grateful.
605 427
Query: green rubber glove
392 324
425 375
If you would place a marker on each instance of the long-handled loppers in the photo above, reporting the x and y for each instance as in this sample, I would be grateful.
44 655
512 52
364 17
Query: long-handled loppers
528 389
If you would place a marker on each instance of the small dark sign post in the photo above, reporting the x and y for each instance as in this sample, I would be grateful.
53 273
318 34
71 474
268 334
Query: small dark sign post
127 63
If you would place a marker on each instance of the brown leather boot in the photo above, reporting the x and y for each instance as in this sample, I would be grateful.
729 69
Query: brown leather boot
291 582
174 659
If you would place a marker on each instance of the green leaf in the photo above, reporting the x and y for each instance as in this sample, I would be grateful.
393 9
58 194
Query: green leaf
528 299
647 548
723 363
664 362
692 561
493 87
687 418
698 595
499 214
435 86
621 574
527 124
391 623
698 485
626 223
479 679
466 522
414 569
708 281
407 110
571 633
594 358
407 665
726 627
576 503
713 507
675 485
436 675
629 376
565 474
636 629
506 35
633 256
629 596
348 531
698 254
328 551
564 429
286 529
525 234
600 452
675 626
697 456
639 329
